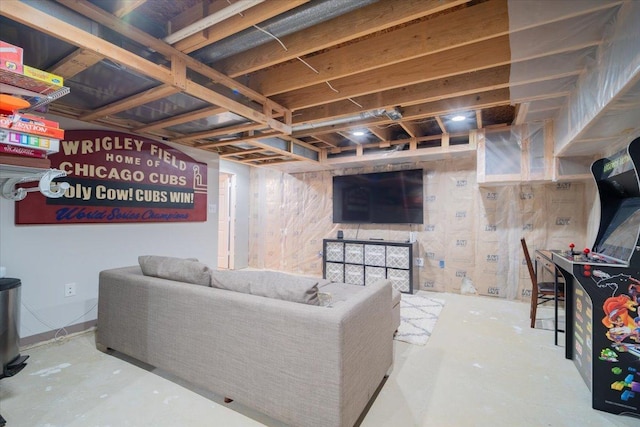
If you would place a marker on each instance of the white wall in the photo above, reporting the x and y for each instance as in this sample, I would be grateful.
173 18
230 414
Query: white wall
46 257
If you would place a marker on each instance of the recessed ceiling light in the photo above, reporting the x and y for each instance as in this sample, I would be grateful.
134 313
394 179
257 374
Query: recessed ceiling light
458 118
357 133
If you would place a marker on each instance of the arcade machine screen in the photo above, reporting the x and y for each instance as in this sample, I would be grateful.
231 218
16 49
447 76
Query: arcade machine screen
621 235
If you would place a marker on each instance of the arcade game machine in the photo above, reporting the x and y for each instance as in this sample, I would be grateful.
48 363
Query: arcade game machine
603 290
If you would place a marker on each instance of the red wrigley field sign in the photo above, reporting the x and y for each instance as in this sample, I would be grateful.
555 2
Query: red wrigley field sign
118 177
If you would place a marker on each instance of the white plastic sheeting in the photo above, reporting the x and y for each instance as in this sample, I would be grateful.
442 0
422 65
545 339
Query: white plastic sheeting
596 56
470 236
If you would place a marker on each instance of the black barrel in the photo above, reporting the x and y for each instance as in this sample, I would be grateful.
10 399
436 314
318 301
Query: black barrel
9 321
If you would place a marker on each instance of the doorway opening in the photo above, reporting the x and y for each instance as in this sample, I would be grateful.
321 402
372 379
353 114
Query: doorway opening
226 221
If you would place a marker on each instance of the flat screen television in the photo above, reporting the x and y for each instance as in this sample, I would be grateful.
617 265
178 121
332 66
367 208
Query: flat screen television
379 198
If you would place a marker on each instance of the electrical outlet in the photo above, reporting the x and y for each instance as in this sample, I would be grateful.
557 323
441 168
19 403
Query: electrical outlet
420 262
69 289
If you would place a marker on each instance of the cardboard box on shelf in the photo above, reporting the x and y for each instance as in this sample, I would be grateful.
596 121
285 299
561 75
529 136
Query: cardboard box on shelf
30 84
43 76
11 57
22 151
49 145
31 127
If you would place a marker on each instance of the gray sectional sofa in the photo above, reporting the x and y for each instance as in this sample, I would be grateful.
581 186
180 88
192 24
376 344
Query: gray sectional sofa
303 351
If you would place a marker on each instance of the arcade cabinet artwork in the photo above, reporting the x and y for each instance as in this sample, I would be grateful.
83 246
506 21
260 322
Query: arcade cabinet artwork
603 290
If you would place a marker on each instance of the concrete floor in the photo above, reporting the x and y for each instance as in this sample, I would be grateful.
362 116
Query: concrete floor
483 366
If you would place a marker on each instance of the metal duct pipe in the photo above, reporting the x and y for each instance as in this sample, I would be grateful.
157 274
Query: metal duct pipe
295 20
365 115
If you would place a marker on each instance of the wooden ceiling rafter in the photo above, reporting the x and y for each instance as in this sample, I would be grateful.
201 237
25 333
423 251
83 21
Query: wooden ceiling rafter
180 119
456 61
478 119
136 100
110 21
39 20
423 58
430 109
127 6
191 88
252 16
385 49
242 152
367 20
228 130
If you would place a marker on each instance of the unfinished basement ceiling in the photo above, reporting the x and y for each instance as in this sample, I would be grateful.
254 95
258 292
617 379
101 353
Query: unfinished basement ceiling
310 84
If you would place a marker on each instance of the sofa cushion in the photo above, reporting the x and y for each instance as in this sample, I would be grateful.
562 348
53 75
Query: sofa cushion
270 284
178 269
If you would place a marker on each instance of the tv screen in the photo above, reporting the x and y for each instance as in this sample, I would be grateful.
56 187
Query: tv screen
379 198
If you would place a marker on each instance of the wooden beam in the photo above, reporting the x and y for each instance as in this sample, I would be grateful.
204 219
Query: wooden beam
479 119
34 18
447 87
110 21
356 24
443 129
127 6
521 112
263 158
249 138
299 142
417 40
289 153
465 59
411 128
229 130
410 94
328 139
182 118
382 132
252 16
430 109
75 63
145 97
192 15
242 152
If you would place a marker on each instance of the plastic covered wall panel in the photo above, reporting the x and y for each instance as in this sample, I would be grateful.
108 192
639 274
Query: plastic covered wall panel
538 157
502 154
470 236
522 153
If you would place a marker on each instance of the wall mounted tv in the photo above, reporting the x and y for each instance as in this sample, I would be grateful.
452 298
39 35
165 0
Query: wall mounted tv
379 198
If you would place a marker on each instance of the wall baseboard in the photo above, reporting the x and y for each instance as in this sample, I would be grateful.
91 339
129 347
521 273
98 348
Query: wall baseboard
56 334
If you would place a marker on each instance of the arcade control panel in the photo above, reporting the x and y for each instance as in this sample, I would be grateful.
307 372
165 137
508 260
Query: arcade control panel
566 259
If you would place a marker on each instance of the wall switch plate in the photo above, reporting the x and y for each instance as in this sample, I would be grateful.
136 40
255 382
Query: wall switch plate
420 262
69 289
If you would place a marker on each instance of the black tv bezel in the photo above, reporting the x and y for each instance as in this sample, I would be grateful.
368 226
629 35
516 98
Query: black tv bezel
368 177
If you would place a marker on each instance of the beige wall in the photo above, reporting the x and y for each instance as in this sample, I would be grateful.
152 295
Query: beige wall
469 231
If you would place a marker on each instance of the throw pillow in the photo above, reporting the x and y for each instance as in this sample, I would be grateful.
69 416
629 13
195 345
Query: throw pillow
270 284
286 287
178 269
237 281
